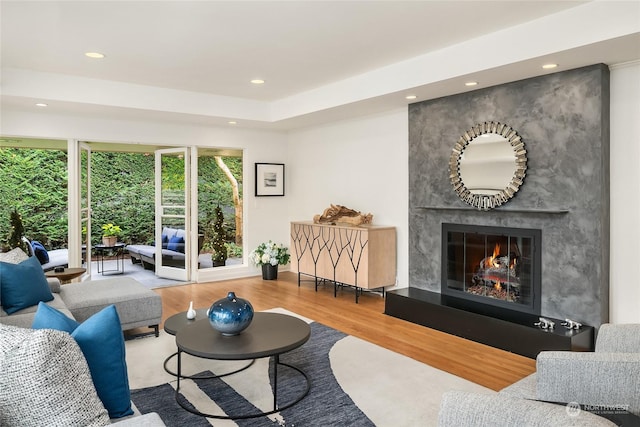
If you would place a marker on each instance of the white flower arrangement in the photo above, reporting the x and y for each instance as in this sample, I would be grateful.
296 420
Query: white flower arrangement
270 253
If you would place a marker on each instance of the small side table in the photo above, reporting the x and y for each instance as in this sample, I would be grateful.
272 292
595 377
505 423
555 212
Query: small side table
67 275
115 252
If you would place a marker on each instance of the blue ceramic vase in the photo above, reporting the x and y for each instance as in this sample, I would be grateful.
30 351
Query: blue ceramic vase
230 315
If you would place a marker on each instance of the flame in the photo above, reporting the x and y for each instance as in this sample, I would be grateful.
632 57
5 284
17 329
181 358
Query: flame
496 252
498 286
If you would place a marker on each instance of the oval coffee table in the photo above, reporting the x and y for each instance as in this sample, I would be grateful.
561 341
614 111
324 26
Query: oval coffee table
269 335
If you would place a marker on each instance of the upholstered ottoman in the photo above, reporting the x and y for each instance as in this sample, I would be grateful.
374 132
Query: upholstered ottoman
136 305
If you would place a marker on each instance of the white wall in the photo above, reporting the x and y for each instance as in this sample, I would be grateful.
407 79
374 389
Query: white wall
624 295
265 217
361 164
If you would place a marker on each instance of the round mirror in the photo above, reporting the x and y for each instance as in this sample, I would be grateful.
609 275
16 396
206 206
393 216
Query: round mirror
488 165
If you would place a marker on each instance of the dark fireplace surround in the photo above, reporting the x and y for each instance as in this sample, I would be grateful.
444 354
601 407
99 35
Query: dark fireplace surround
563 119
498 266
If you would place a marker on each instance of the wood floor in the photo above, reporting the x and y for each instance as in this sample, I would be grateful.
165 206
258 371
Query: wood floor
481 364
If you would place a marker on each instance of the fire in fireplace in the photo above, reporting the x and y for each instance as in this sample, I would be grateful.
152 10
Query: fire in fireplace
494 265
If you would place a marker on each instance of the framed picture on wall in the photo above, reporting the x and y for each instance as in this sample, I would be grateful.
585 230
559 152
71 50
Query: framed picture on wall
269 179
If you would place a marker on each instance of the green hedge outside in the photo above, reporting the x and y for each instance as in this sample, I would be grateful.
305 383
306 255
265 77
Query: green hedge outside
34 182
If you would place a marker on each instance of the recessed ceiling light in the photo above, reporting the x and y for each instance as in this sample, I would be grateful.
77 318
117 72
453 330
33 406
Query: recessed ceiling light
232 122
94 55
41 104
410 97
257 81
549 66
471 83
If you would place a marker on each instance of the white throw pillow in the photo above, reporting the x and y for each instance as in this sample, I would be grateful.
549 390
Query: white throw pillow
14 256
45 380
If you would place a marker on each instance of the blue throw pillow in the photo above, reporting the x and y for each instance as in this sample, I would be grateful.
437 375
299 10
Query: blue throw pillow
23 285
165 241
47 317
101 341
176 244
40 252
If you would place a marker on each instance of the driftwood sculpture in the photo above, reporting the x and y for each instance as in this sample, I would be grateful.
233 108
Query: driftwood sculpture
337 214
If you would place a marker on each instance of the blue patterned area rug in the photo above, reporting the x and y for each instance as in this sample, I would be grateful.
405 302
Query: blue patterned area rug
353 383
326 404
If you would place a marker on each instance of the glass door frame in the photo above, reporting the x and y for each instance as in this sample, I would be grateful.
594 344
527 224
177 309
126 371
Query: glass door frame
161 270
86 210
77 214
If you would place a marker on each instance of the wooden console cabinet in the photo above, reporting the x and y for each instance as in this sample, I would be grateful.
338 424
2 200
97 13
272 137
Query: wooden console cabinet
361 256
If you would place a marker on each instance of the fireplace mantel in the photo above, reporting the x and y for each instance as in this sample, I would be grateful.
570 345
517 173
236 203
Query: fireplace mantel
503 210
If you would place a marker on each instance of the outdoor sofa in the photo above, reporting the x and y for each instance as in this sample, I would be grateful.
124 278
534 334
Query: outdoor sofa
173 241
48 259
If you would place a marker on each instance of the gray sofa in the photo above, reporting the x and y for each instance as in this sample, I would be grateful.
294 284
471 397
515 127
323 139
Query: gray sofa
480 410
606 380
137 306
34 361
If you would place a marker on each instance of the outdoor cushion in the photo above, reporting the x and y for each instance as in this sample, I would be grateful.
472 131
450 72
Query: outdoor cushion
23 285
102 344
169 232
45 381
40 252
57 258
176 244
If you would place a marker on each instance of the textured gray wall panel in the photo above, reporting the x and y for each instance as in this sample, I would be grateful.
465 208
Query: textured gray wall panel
563 119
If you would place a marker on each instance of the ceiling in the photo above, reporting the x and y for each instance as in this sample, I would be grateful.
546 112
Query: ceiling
321 61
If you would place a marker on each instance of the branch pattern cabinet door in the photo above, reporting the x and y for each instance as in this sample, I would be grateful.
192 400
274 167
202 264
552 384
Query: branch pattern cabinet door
362 256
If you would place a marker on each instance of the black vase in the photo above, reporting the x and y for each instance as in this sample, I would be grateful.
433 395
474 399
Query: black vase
269 272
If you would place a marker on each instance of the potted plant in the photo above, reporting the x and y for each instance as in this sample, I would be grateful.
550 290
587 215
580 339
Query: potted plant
110 234
268 256
17 232
219 255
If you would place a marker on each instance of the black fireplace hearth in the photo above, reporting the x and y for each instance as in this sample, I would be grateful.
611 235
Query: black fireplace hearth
488 324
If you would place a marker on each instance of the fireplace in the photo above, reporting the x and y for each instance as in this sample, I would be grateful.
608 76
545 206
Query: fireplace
490 292
497 266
